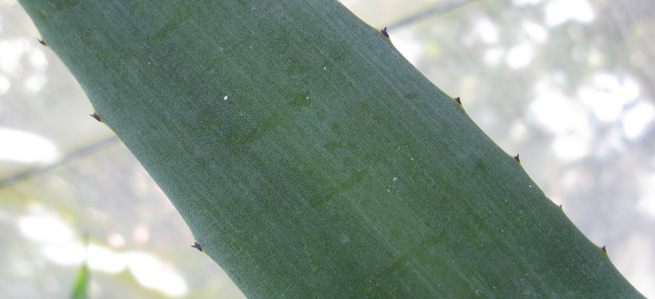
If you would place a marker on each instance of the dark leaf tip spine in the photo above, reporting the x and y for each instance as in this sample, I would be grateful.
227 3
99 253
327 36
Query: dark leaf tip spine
42 42
604 249
458 101
384 32
517 158
96 116
196 245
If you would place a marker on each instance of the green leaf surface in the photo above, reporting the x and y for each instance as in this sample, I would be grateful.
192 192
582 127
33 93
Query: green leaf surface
81 283
310 159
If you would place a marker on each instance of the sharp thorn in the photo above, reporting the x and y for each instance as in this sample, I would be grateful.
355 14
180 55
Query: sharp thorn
384 32
196 245
96 116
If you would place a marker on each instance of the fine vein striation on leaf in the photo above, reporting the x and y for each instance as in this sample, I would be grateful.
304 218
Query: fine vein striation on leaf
310 159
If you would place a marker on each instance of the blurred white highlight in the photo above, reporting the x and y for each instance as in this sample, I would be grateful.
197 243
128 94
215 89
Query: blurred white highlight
24 147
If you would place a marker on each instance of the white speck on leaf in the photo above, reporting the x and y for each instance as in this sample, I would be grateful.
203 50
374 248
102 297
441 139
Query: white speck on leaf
344 238
225 98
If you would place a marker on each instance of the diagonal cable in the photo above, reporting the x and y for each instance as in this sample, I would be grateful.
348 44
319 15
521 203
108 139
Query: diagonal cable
434 10
80 152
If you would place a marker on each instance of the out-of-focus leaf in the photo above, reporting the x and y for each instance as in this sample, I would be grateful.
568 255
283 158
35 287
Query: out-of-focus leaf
81 283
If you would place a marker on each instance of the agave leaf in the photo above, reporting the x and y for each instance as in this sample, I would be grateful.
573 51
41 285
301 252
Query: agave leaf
310 159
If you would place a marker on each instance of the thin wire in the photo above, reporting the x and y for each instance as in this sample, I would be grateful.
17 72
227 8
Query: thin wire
80 152
434 10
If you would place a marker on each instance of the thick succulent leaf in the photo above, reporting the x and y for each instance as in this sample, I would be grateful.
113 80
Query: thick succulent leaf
310 159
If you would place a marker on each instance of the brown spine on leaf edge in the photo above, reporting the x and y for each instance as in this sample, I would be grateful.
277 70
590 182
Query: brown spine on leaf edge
384 32
96 117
